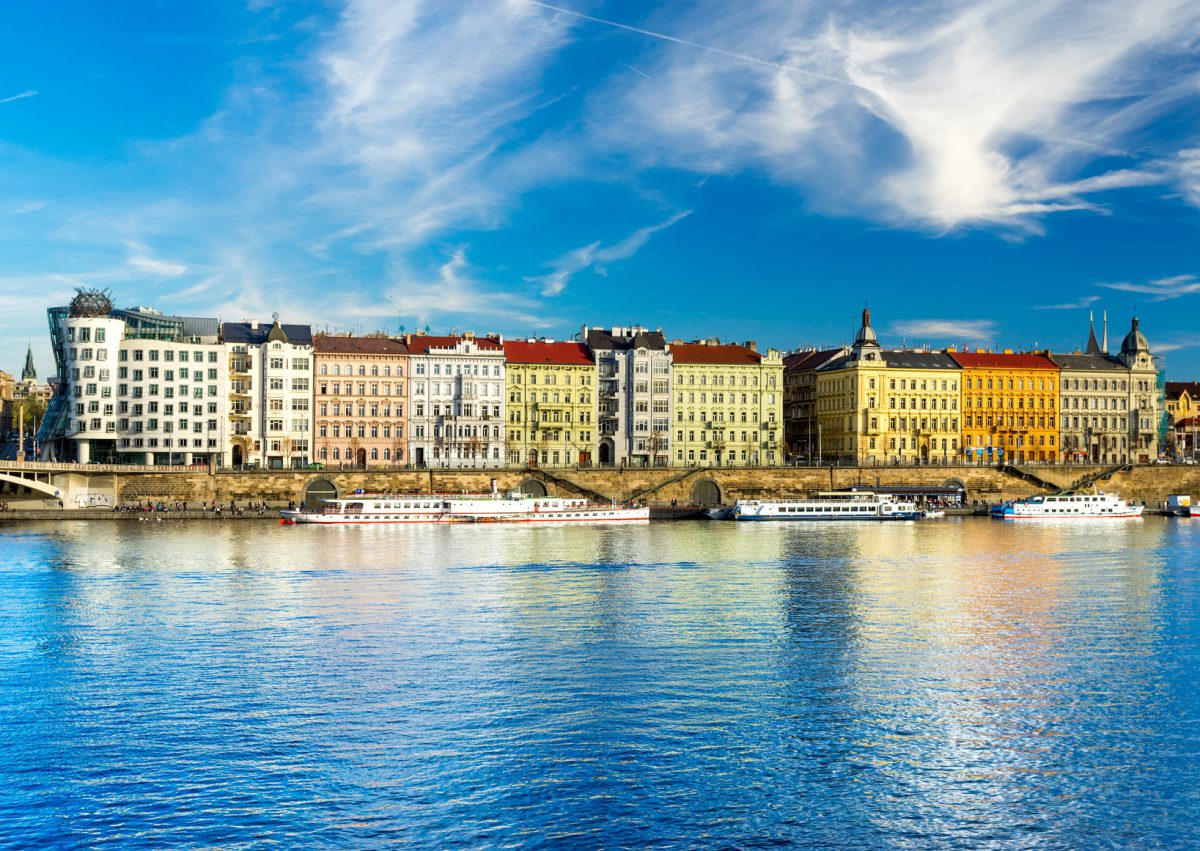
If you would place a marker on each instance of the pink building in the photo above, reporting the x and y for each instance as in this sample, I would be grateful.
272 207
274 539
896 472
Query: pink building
360 395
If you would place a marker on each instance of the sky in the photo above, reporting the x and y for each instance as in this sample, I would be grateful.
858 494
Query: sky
978 173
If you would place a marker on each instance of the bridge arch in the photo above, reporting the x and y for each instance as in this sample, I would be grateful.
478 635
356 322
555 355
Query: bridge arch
46 488
957 483
532 487
706 492
318 492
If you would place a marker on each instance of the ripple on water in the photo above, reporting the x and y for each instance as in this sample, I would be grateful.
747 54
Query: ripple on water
957 683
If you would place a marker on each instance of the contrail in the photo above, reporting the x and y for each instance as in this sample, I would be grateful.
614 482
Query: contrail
26 94
664 37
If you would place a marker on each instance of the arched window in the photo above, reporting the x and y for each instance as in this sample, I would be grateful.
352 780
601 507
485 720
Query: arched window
336 453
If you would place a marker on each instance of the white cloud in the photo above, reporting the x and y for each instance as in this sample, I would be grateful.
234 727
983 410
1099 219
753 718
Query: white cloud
1188 169
932 115
1160 289
596 257
1078 305
153 266
945 330
25 94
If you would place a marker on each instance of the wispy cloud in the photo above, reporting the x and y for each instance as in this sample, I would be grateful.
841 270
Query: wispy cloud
945 330
595 256
985 113
1077 305
154 266
1176 342
1160 289
28 93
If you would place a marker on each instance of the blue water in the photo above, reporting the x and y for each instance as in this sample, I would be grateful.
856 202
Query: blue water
950 683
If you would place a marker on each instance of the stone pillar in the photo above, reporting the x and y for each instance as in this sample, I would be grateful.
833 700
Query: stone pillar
187 459
83 450
149 459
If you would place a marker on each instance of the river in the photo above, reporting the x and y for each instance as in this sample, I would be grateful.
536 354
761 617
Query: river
952 682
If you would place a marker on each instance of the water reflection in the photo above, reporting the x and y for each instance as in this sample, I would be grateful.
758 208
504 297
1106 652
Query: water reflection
684 683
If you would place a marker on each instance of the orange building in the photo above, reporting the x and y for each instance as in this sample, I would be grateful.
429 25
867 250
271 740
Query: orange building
1010 406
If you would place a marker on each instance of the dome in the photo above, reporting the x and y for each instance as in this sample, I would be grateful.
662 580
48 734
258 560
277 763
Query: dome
866 334
1135 340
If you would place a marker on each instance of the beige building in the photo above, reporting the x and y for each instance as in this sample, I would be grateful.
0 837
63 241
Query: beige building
360 400
6 404
728 405
551 403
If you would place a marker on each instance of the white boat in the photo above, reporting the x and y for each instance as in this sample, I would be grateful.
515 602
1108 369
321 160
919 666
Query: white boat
473 508
829 505
1067 506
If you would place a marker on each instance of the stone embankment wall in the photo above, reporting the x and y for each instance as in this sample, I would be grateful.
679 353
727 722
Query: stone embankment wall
989 484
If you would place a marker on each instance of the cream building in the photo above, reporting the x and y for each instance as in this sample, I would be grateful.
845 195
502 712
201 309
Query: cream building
728 405
270 393
551 405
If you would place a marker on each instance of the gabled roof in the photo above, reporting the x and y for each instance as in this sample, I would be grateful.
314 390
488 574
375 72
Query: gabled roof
727 354
325 344
563 353
598 338
423 343
242 332
1002 360
1175 389
918 360
1088 363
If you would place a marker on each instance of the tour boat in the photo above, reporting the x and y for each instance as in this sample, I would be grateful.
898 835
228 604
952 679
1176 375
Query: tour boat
831 505
1067 506
472 508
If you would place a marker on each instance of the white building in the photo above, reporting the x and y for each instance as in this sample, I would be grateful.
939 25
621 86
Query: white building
270 370
456 401
635 401
135 386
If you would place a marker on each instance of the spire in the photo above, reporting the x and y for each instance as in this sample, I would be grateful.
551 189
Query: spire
29 373
1093 348
1104 341
866 335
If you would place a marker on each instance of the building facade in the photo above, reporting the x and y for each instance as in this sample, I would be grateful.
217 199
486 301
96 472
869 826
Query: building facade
633 368
883 406
728 405
1144 415
360 399
270 374
456 401
1009 406
551 404
800 399
134 386
6 405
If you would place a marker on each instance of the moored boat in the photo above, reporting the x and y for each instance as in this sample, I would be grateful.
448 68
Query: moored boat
1068 506
476 508
829 506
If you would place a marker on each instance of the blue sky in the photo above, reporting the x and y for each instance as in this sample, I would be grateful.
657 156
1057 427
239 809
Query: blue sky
978 172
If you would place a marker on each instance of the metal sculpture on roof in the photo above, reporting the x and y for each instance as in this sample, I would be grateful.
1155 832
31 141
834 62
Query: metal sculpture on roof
90 302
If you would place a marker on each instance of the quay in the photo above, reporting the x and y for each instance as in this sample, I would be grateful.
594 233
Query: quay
92 490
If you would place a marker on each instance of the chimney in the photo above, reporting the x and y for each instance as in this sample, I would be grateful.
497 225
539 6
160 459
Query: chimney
752 345
254 325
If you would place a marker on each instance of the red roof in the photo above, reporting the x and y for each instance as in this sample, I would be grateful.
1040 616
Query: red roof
719 354
567 354
1000 360
324 344
422 343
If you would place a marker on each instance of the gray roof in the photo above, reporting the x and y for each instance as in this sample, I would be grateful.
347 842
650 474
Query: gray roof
241 332
598 338
919 360
1088 363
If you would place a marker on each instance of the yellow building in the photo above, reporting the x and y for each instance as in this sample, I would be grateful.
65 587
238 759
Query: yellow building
551 403
876 406
1010 406
728 405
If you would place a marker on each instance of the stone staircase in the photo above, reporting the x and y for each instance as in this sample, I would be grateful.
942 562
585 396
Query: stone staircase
667 482
547 477
1088 481
1028 476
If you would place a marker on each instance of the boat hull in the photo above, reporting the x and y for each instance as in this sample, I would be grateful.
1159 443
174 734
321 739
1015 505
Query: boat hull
621 516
